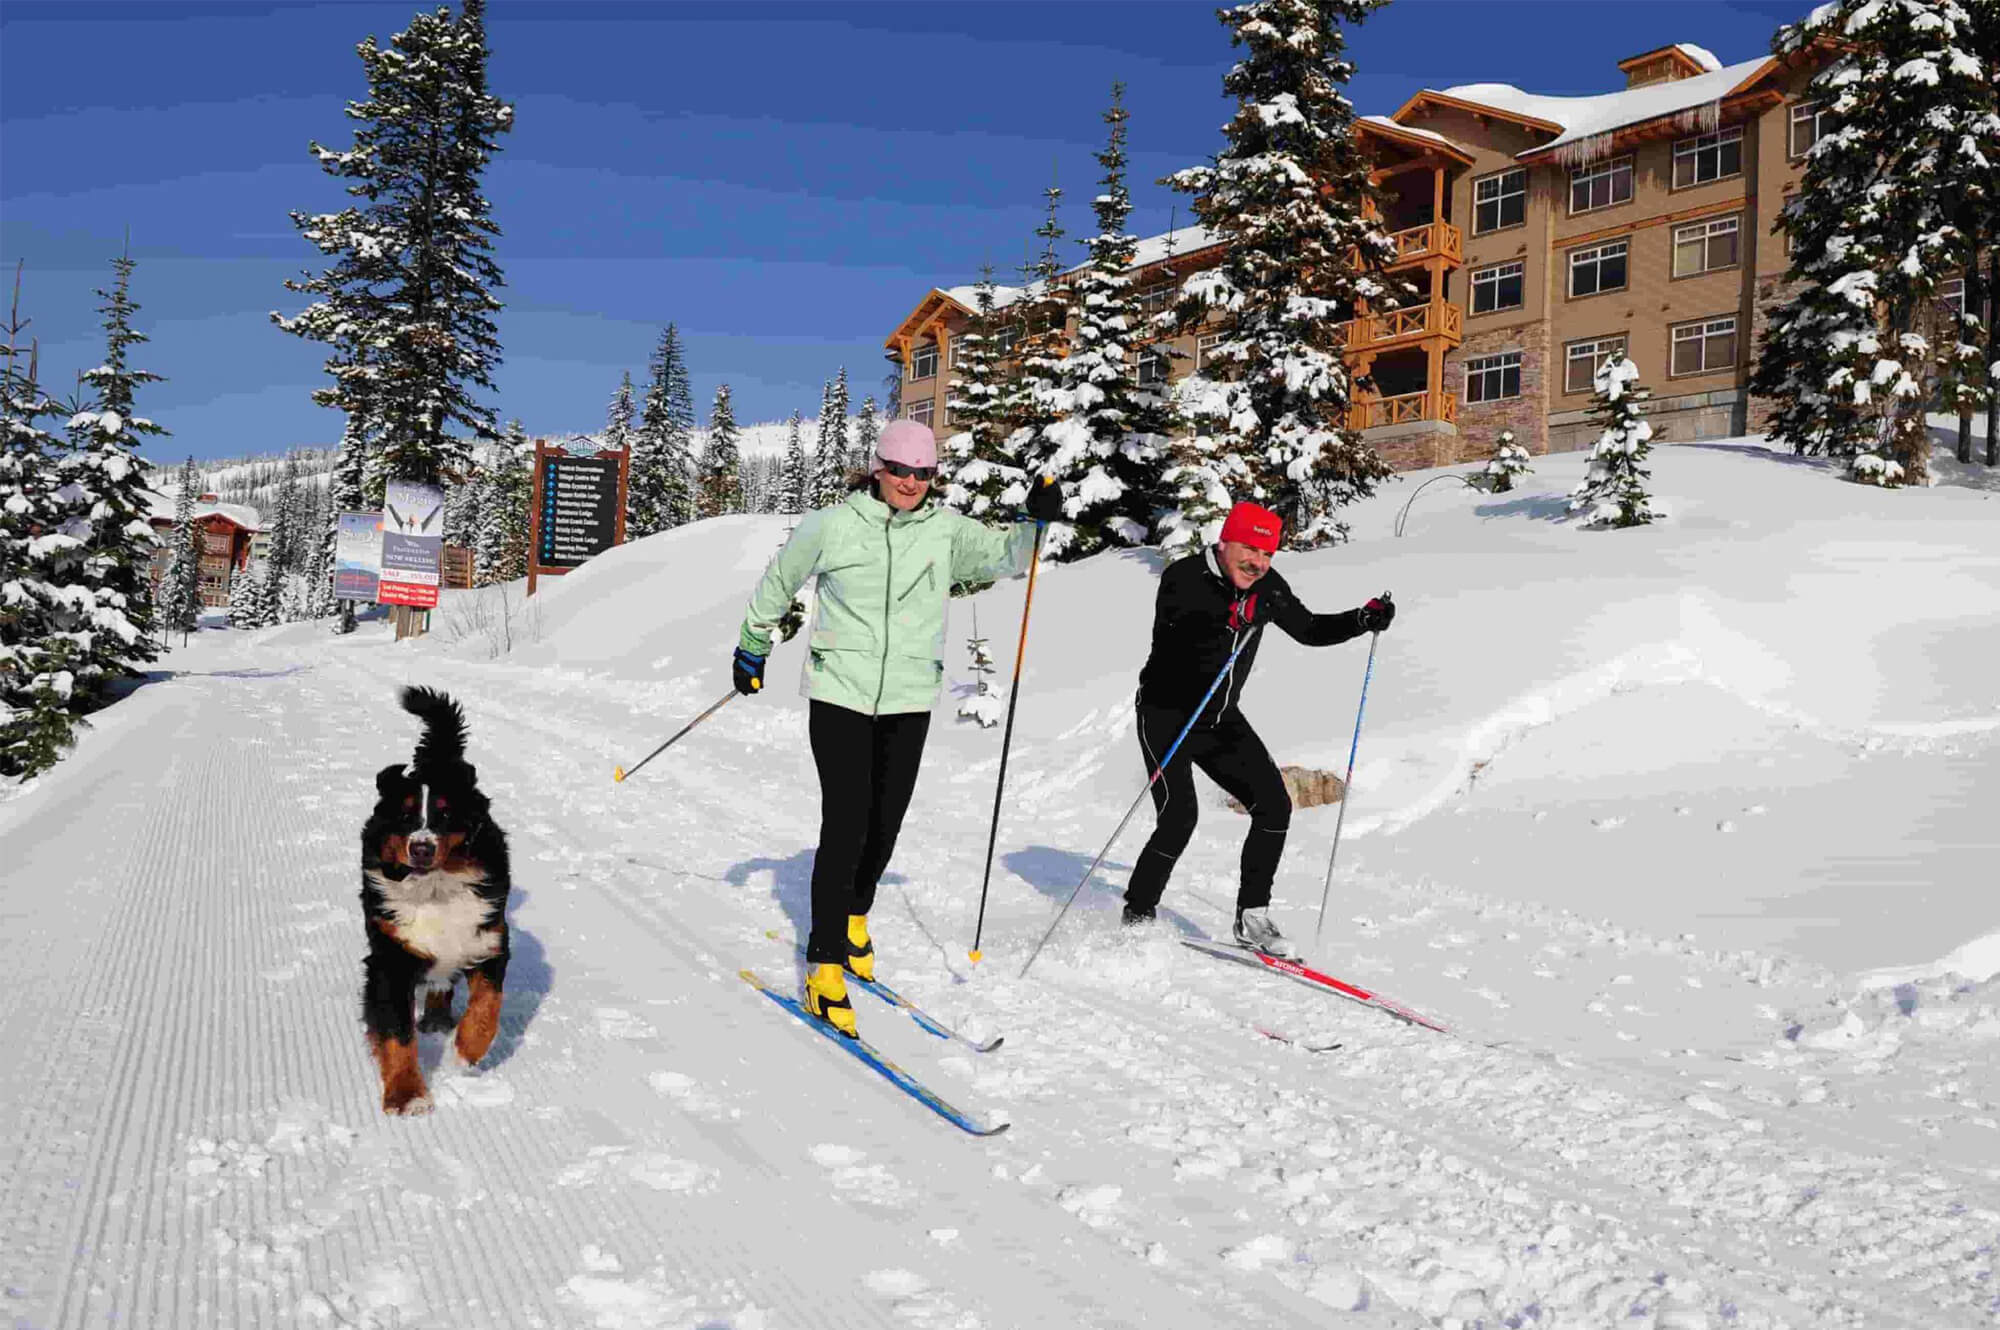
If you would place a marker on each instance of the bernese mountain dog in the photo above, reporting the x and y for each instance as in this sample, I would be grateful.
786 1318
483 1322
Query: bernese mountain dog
434 888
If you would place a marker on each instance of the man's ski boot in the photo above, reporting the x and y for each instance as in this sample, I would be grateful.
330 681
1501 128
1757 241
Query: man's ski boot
1255 930
860 951
826 999
1132 916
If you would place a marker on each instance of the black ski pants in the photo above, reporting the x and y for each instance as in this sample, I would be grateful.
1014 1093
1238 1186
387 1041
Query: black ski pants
1229 752
867 773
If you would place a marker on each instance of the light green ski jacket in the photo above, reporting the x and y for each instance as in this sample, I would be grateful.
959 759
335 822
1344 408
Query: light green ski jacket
877 643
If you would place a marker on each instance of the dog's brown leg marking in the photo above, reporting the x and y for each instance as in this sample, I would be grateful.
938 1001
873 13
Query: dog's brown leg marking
437 1011
402 1079
482 1017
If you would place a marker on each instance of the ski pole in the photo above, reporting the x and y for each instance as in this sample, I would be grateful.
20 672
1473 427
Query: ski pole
619 773
1007 739
1327 892
1220 675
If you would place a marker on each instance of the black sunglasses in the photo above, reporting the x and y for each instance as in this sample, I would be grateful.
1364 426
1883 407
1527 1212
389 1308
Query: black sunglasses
902 472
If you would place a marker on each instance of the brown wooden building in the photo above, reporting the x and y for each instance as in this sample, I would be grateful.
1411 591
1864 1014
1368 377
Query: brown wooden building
1540 233
225 532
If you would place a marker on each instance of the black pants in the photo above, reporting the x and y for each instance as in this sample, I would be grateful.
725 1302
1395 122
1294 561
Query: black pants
867 773
1229 752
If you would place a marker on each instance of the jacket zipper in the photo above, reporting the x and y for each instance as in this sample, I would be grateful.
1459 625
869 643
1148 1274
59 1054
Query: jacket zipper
888 585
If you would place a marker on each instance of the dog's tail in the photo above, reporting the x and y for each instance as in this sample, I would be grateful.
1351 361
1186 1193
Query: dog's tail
444 726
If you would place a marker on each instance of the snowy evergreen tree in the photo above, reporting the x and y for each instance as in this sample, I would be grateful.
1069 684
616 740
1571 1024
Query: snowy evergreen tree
983 705
1031 400
283 519
345 493
500 553
1859 353
407 302
792 499
722 461
1286 195
660 491
621 432
246 601
1105 447
461 507
867 434
830 458
1509 461
38 660
980 473
1200 469
1613 492
105 469
179 597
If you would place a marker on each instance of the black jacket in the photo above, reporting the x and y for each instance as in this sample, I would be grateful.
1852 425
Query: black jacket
1200 617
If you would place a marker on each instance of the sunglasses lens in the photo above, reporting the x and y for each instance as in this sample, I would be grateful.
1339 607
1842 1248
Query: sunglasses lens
902 472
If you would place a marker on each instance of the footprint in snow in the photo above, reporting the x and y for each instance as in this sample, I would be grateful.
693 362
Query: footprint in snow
853 1177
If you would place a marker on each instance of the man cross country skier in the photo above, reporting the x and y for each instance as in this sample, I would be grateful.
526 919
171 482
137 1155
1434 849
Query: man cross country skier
1209 604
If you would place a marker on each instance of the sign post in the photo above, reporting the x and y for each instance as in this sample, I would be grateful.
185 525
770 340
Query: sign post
577 506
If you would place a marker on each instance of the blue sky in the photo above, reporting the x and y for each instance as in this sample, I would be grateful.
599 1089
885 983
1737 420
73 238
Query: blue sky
782 180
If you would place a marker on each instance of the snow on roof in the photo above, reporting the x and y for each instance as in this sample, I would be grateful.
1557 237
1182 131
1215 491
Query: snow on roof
1584 118
1701 55
1435 137
160 507
968 296
1153 249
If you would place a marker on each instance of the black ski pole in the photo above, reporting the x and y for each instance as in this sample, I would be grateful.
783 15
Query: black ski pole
619 773
1326 892
1007 739
1220 675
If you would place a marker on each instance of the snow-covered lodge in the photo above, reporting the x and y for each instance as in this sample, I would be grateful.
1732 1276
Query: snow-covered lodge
1541 232
229 534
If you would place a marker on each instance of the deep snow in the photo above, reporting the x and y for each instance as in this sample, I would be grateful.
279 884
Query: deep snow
1684 829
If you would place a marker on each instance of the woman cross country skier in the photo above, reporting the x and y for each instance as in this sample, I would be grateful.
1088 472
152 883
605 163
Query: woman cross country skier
1209 604
886 560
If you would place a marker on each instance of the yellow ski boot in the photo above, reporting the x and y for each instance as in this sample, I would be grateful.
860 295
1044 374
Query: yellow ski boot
860 951
826 999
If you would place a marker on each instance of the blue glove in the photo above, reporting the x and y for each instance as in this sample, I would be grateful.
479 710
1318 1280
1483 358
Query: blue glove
748 671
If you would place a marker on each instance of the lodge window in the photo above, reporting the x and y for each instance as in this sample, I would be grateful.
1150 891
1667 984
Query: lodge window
1205 348
1706 246
1498 287
1808 127
1708 157
1003 340
1151 366
1951 298
1153 299
1584 359
1601 186
1500 201
922 410
1598 269
1490 378
924 361
1784 221
1703 348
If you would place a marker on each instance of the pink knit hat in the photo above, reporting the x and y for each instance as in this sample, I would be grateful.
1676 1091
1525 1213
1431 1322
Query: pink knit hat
907 442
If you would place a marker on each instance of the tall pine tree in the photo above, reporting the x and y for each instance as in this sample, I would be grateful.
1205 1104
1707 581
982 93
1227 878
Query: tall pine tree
832 455
500 553
1032 401
1105 448
722 461
980 473
794 481
1863 347
661 487
867 434
407 302
180 587
1286 195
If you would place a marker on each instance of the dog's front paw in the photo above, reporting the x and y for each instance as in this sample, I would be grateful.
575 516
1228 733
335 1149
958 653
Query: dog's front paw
406 1101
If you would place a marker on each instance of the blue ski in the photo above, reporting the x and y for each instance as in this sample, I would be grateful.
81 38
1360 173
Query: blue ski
889 1071
925 1021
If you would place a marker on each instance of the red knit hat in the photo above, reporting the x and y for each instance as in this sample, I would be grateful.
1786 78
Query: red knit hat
1259 528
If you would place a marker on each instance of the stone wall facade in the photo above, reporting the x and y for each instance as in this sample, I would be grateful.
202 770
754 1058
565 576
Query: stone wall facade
1771 293
1480 423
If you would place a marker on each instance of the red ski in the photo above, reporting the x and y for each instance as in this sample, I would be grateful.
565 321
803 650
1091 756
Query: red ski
1312 978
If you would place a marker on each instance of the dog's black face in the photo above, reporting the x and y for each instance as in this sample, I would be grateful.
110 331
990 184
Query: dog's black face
423 819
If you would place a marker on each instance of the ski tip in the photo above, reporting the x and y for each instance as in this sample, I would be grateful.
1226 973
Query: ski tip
617 775
990 1044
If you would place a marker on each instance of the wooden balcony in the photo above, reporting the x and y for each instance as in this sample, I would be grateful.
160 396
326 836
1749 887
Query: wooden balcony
1429 241
1399 327
1407 409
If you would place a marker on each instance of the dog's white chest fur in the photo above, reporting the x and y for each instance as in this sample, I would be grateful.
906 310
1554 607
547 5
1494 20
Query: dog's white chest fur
440 915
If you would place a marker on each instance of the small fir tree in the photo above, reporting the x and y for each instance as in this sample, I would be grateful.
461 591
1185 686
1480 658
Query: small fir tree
831 455
1509 461
661 485
792 487
502 551
867 434
1033 400
980 474
722 461
1613 492
180 587
984 706
1287 196
621 433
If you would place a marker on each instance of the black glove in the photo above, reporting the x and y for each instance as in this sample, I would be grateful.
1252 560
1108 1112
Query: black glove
1044 502
748 671
1377 614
